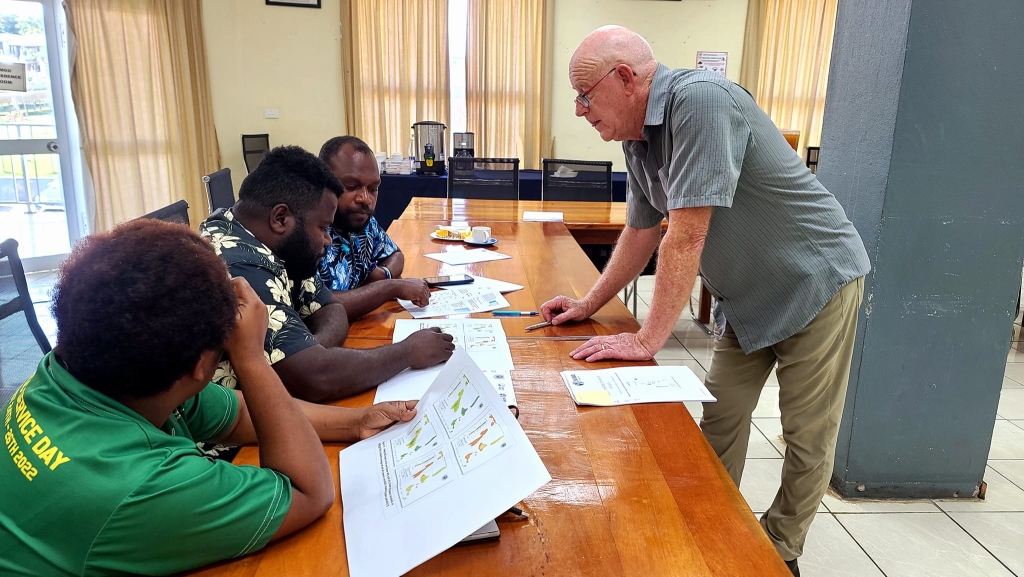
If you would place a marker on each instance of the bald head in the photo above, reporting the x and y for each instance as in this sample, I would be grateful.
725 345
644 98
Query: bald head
609 46
624 62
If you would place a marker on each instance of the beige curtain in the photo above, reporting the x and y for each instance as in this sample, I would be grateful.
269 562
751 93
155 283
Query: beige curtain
141 90
786 54
395 57
507 67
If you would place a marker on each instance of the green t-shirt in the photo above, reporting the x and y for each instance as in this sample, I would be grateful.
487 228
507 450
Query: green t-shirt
90 487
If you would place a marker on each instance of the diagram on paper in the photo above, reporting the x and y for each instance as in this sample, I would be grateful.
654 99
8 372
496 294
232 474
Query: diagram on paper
461 406
459 300
421 439
480 443
423 477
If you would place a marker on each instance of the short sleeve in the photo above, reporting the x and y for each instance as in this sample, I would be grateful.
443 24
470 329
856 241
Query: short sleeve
210 414
709 140
640 213
383 246
286 333
188 513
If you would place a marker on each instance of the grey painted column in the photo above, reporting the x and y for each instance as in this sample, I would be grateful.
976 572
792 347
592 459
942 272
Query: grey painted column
923 144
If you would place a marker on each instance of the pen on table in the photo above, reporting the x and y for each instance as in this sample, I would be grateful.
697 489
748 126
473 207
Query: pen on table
515 313
538 326
518 511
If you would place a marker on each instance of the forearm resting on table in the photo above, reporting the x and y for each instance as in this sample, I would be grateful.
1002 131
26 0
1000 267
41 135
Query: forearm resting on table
632 251
678 263
318 375
332 424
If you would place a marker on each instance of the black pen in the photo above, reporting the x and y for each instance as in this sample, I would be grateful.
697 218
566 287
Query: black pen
518 511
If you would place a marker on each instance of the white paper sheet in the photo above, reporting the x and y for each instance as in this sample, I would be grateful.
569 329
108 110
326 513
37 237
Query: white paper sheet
412 384
458 257
628 385
459 300
418 488
483 339
492 284
536 216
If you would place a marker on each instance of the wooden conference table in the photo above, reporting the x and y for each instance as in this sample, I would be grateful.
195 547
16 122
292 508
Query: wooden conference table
588 222
635 490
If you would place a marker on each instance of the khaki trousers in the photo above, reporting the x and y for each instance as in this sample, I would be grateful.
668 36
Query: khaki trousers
814 367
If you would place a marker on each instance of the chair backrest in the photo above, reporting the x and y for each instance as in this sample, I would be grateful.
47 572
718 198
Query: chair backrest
177 212
219 191
489 178
812 158
22 341
586 180
254 147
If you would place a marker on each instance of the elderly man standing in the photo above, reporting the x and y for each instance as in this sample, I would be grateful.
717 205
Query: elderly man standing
772 244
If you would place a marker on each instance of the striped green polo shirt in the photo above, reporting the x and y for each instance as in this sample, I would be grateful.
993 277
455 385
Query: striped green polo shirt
779 245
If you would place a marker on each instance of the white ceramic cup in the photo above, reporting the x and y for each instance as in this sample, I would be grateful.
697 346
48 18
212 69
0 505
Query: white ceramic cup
481 233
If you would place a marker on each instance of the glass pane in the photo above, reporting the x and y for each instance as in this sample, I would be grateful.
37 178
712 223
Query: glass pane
32 204
25 115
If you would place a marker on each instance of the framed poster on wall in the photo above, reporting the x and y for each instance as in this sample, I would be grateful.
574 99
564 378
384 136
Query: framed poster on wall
296 3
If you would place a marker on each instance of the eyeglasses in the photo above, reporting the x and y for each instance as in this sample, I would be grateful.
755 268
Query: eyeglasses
582 99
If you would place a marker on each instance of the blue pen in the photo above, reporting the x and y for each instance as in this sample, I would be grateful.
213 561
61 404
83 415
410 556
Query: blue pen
515 313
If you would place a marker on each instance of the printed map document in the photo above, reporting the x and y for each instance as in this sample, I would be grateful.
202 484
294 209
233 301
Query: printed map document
484 341
628 385
418 488
456 257
460 300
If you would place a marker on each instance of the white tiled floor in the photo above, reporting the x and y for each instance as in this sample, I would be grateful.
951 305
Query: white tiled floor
893 539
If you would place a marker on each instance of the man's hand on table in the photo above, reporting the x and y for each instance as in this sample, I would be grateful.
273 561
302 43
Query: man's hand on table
413 289
428 347
624 346
379 417
563 309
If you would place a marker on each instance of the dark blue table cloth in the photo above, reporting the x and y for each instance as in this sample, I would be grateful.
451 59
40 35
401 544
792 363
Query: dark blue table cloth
397 190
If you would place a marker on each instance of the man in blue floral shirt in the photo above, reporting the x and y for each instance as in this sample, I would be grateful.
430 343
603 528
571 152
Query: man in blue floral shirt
363 266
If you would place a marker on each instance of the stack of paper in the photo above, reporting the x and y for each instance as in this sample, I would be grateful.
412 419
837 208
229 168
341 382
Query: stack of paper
420 487
628 385
458 300
483 339
535 216
458 257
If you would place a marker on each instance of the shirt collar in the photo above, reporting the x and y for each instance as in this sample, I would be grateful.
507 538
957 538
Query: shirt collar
657 96
88 397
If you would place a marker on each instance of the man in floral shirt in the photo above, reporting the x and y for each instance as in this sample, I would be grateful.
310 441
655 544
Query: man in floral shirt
274 237
363 265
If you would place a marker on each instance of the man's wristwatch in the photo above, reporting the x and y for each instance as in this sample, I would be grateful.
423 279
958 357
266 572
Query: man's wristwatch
387 272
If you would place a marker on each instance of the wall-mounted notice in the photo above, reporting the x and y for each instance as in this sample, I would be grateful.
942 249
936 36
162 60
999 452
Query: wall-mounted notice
12 76
712 61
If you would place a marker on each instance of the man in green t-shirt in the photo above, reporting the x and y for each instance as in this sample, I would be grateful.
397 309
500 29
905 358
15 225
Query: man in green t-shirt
102 474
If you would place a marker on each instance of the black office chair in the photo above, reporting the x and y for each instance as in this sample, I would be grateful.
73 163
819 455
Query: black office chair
22 341
177 212
580 180
812 158
486 178
254 147
219 191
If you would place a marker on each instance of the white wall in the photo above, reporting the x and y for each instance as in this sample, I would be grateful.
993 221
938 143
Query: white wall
290 58
676 31
273 57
